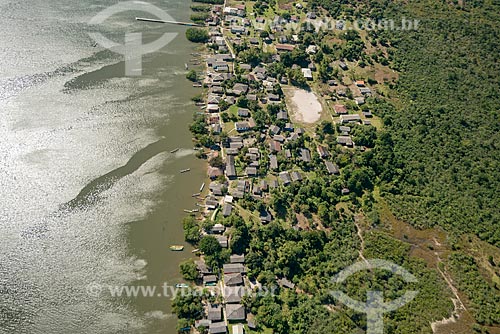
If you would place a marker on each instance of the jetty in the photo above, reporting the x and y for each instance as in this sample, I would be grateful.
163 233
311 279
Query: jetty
187 24
202 186
185 170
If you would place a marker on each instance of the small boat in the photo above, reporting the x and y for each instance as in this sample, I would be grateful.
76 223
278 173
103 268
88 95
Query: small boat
174 150
195 250
200 104
188 211
195 195
181 285
176 248
185 170
197 84
195 54
194 210
202 186
186 66
211 284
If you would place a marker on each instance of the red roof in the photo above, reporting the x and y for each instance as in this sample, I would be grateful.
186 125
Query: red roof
340 109
285 47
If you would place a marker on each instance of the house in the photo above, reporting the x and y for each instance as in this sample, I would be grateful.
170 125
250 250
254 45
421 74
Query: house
279 138
202 323
273 162
218 229
359 100
344 129
230 168
331 167
214 172
251 171
350 118
265 217
288 127
233 294
217 328
322 151
345 140
241 126
305 155
216 128
285 178
240 89
288 153
343 66
360 83
221 67
222 239
238 30
202 267
227 209
286 283
274 129
307 73
365 91
230 268
214 313
243 112
235 312
246 67
340 109
216 189
237 258
282 115
284 47
263 185
209 279
233 279
345 191
367 114
274 146
296 176
242 186
273 97
238 329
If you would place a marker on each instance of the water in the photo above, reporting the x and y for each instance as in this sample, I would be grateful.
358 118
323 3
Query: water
90 193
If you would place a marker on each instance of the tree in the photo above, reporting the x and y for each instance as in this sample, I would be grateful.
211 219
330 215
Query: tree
191 229
209 245
191 75
189 270
197 35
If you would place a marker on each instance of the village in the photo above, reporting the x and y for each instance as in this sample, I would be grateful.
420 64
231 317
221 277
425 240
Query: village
263 127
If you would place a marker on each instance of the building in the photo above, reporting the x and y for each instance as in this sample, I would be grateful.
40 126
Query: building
331 167
214 313
305 155
345 140
230 268
235 312
237 258
307 73
233 279
354 118
217 328
285 178
340 109
284 47
227 209
273 162
296 176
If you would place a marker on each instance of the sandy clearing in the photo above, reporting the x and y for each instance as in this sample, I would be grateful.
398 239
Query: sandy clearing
305 106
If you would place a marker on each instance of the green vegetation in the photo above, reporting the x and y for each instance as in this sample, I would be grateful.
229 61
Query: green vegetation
199 17
191 75
200 8
197 35
188 270
212 2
